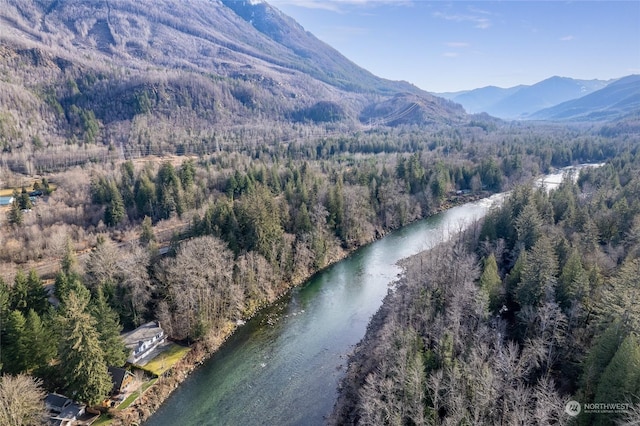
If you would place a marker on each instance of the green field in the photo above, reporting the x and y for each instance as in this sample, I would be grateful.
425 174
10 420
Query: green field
166 359
8 192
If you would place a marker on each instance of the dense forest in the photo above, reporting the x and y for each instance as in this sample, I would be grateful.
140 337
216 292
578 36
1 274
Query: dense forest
533 307
199 243
190 162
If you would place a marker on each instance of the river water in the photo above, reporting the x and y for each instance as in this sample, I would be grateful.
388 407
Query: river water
283 366
553 180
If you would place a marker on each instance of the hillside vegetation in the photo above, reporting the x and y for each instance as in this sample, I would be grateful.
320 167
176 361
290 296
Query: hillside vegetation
532 308
246 226
84 82
195 160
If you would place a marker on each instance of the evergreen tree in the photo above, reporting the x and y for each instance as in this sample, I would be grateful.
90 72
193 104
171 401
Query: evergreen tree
127 183
145 196
25 200
114 213
168 191
37 298
20 292
100 193
512 280
146 234
39 340
620 381
5 300
620 300
109 328
14 348
187 174
46 187
14 215
538 278
69 262
259 220
335 207
82 360
303 221
528 225
491 175
604 348
66 284
491 284
232 185
563 201
62 286
573 283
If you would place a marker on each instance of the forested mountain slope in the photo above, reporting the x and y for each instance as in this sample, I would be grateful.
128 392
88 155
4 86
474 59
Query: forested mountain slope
279 157
127 78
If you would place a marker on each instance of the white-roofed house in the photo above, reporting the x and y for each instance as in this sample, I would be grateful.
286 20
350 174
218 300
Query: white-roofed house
142 341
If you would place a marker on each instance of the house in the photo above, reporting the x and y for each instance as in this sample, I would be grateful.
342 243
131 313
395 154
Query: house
64 411
56 403
143 340
120 379
69 416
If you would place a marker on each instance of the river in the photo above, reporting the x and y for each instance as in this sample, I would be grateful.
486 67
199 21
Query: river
283 366
553 180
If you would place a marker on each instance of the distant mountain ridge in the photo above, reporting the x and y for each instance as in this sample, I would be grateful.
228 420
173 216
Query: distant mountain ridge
617 100
522 101
480 100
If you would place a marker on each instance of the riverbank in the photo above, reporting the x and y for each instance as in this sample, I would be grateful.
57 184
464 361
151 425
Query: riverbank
157 394
437 352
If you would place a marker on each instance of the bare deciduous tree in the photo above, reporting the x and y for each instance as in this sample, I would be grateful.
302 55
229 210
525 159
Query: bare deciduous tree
21 401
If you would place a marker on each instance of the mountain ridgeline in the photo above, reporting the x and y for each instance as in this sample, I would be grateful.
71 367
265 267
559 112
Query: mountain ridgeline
556 99
618 99
136 77
276 157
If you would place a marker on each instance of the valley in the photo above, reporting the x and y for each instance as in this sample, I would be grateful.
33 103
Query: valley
209 164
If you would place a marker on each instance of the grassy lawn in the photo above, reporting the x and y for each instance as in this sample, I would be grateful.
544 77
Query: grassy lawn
7 192
166 359
103 420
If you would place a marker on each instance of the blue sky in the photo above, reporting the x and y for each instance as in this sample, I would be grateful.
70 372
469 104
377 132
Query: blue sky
443 46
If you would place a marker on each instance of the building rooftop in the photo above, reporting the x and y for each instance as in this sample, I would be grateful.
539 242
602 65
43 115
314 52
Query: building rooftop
143 333
5 201
117 378
57 402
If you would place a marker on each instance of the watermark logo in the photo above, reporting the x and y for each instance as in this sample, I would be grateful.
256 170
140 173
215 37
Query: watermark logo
572 408
607 407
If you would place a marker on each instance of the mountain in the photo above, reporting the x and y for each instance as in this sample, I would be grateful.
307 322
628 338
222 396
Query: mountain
615 101
520 101
146 75
546 93
312 55
480 100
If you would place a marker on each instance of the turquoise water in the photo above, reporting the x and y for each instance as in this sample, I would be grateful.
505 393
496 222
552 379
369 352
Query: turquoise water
283 367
